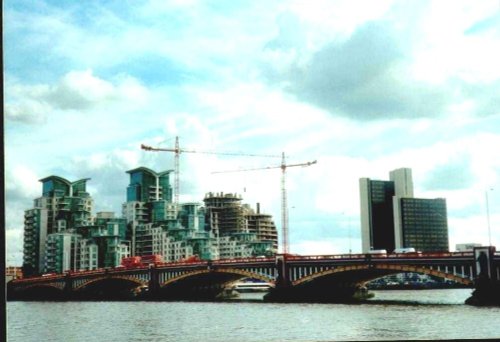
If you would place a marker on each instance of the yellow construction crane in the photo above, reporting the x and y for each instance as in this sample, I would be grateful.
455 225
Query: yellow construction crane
284 207
177 150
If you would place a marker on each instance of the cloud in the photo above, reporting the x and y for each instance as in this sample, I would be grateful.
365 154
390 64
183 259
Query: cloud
14 247
23 103
76 91
21 183
395 65
330 247
33 104
490 23
473 228
27 112
453 175
485 97
21 188
80 90
291 33
108 178
365 78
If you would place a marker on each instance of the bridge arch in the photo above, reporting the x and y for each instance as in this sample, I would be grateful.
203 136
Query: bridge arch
38 291
369 272
56 286
130 279
230 271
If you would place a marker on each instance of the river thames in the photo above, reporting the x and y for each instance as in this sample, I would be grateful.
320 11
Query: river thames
396 315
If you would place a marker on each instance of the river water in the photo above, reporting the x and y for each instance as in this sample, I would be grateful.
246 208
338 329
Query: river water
396 315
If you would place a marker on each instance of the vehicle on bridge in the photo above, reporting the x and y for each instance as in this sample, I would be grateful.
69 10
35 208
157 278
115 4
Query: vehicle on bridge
191 259
49 274
404 250
151 259
130 262
377 251
140 261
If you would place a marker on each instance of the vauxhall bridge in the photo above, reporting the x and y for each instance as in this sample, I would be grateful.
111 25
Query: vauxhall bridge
292 277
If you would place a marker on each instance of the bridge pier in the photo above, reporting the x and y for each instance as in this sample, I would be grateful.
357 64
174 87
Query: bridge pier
486 293
68 287
487 281
153 284
283 290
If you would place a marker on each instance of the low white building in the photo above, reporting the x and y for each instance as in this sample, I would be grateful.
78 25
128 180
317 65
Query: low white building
88 255
62 252
466 247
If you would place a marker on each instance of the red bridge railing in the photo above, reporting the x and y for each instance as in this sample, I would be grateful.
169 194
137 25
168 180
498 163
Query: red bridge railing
288 257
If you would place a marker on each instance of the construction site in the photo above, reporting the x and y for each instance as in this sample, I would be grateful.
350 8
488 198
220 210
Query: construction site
233 219
152 223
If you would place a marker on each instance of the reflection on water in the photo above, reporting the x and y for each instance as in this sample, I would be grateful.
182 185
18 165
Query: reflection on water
403 297
441 296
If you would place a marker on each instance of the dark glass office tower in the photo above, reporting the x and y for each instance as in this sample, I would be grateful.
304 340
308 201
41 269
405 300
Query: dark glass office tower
392 218
378 232
424 224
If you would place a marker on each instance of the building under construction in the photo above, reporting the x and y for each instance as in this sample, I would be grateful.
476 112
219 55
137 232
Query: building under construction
262 225
226 215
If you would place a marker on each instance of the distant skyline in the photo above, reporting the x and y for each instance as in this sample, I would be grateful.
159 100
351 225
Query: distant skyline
362 87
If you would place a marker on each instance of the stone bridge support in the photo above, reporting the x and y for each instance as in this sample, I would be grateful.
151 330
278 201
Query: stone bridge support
68 287
487 278
154 283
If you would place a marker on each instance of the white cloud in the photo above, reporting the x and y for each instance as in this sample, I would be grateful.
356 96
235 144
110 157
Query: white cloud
339 17
30 112
14 247
446 52
23 105
80 89
77 91
22 180
474 229
322 247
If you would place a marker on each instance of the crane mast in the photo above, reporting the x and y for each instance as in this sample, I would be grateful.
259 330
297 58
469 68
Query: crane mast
284 208
285 243
176 171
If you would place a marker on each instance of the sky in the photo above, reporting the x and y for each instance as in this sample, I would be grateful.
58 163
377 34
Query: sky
363 87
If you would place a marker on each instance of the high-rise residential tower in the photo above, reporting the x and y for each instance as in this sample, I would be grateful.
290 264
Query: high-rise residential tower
63 207
149 198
